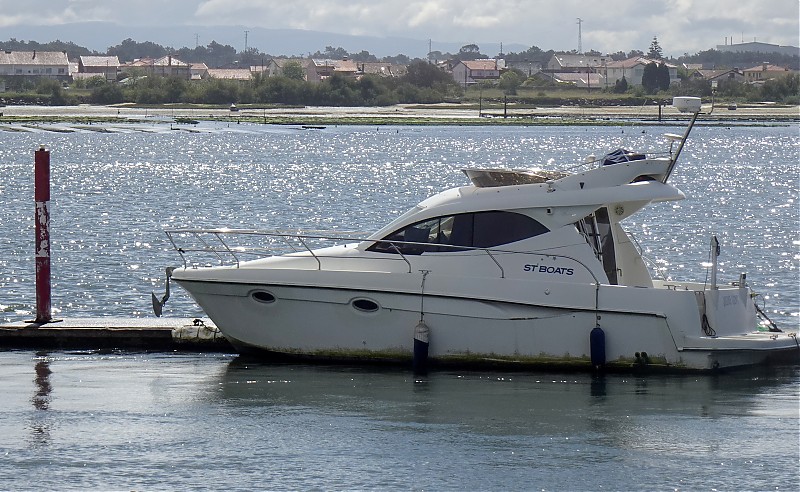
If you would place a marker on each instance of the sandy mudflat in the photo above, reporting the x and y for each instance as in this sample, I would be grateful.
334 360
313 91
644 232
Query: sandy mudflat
399 112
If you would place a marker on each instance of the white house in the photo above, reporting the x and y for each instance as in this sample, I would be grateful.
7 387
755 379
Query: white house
276 65
103 66
633 70
581 80
470 72
49 64
764 72
318 70
572 62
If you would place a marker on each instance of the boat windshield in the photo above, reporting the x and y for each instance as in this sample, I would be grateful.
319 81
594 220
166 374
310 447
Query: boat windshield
472 230
596 229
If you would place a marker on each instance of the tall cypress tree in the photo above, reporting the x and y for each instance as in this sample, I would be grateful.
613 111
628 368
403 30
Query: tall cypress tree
650 78
663 76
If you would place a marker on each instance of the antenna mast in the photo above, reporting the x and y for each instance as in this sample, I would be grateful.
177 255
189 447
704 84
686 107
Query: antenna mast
580 46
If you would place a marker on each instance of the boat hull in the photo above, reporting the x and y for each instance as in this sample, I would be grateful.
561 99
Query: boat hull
377 326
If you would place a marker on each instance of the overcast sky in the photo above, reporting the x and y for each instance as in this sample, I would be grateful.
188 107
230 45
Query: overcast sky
682 26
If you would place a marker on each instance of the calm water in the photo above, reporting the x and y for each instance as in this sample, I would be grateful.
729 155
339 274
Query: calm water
145 421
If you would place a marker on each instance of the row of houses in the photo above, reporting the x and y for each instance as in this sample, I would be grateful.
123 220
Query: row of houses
582 71
56 65
599 72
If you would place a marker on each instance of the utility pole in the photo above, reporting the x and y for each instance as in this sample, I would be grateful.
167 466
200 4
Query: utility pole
580 44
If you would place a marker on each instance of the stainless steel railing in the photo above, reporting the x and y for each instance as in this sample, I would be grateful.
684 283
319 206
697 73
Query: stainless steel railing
230 246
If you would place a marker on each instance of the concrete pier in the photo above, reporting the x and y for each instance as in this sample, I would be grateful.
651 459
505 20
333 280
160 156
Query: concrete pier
198 334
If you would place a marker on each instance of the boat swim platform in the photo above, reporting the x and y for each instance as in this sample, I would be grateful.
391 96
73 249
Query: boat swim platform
115 333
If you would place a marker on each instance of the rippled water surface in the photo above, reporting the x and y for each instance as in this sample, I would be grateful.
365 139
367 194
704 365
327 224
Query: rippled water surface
147 421
114 193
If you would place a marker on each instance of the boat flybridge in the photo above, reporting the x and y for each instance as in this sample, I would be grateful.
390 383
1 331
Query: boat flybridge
524 268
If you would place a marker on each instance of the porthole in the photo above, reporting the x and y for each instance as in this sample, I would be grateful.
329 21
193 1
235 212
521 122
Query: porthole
365 305
263 297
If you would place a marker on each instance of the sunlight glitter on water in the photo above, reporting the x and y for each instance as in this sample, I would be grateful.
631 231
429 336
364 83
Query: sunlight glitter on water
114 193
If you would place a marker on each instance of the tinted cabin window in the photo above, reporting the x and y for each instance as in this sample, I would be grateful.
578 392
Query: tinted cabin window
479 230
496 228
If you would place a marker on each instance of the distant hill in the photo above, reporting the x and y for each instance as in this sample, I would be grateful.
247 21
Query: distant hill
99 36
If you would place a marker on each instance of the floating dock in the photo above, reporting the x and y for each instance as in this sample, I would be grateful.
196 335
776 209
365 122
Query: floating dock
198 334
109 333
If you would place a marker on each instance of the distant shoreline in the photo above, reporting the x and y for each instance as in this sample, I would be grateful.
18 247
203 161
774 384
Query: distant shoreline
438 114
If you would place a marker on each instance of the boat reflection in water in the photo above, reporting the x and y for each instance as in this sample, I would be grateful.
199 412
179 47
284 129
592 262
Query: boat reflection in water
573 430
517 400
189 421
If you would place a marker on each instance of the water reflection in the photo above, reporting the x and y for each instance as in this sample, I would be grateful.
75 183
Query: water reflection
527 402
150 421
41 400
40 424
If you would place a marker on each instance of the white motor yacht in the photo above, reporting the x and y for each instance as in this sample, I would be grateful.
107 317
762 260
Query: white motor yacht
522 268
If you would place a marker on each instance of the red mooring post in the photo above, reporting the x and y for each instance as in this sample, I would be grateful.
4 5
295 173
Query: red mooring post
42 197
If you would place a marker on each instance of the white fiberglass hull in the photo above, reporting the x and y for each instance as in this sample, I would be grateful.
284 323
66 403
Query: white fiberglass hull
522 324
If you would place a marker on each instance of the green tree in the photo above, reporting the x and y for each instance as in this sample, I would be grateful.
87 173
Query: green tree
470 52
423 74
363 56
663 78
781 89
399 59
332 53
510 81
174 88
96 81
338 90
72 49
130 50
219 55
52 87
650 78
218 91
621 86
284 90
293 70
694 87
619 55
436 55
107 94
740 59
372 90
655 53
